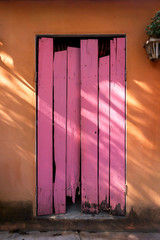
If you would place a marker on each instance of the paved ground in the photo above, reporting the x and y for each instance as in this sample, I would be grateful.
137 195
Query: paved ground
77 235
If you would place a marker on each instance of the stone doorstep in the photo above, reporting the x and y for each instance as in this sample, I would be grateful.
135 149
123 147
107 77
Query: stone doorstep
90 225
80 222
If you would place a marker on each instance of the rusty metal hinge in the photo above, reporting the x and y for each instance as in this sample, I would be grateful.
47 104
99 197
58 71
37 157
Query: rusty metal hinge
125 75
126 189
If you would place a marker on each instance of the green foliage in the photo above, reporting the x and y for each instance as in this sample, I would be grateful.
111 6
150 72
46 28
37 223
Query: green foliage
153 29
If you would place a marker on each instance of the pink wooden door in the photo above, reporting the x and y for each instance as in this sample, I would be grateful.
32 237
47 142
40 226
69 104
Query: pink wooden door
117 126
89 125
73 122
66 126
91 91
103 176
45 109
104 133
60 83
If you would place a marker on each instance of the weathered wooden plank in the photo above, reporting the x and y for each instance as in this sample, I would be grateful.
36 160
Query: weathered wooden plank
45 100
60 80
104 133
117 126
89 123
73 122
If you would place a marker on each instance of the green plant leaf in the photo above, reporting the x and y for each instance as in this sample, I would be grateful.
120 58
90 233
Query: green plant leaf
153 29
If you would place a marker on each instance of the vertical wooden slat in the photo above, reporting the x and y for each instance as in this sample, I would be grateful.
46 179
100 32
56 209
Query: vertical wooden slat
73 122
117 126
89 123
45 100
103 133
60 79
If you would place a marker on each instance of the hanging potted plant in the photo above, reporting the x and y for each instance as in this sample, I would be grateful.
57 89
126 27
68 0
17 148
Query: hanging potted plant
152 46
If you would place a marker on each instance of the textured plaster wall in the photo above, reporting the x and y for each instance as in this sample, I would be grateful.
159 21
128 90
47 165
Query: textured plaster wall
20 21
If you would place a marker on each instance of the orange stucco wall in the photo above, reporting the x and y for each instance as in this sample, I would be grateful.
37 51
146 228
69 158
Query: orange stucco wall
20 21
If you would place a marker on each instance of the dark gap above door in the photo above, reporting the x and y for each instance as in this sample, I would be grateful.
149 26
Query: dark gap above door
61 43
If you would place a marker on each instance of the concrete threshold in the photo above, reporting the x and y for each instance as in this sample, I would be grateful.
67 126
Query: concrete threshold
81 216
74 220
89 225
